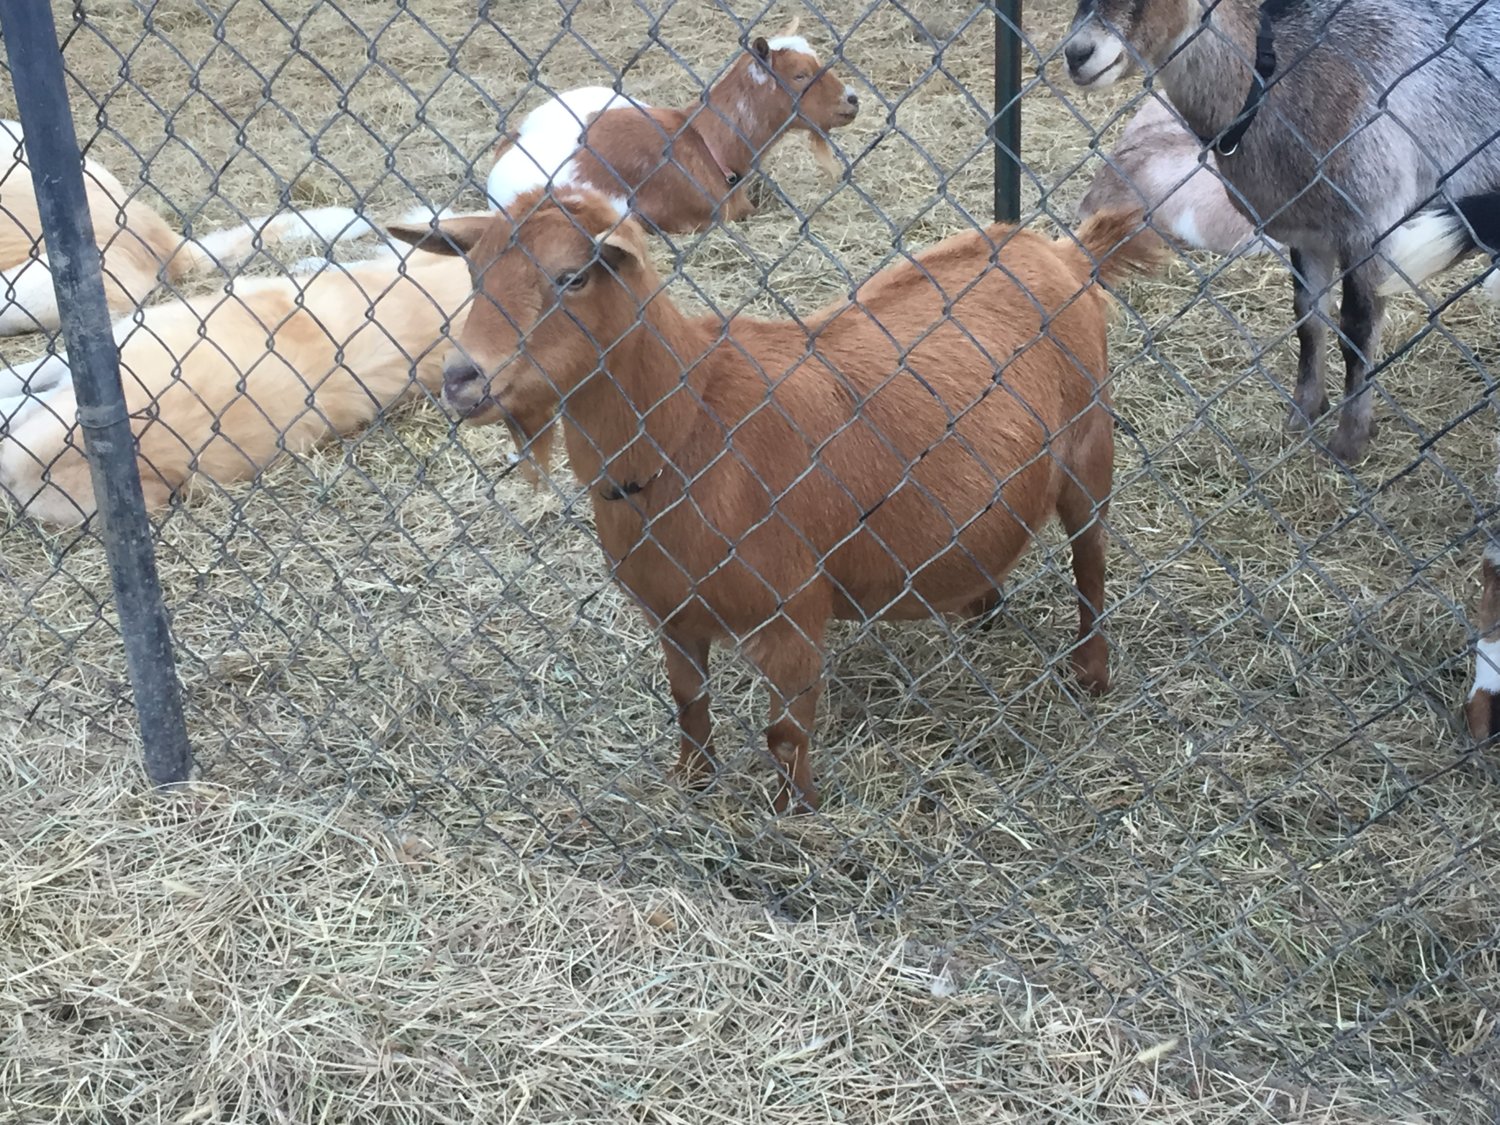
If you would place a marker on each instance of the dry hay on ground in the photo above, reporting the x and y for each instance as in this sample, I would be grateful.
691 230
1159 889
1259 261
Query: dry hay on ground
1262 839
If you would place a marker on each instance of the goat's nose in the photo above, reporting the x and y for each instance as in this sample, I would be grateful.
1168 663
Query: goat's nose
853 99
460 380
1077 54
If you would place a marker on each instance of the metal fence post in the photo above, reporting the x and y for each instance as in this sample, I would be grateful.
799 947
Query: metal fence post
1007 125
56 168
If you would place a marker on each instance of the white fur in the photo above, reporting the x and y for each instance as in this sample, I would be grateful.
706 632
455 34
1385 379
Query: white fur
1422 247
1492 285
792 43
27 300
1486 668
34 377
546 142
320 224
1106 64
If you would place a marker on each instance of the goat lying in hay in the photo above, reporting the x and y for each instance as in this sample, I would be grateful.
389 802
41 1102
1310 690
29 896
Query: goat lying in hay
220 386
140 249
680 170
755 482
1376 104
1159 165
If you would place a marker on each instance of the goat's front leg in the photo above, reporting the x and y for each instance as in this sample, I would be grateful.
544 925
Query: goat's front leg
790 655
1361 315
687 674
1482 709
1312 295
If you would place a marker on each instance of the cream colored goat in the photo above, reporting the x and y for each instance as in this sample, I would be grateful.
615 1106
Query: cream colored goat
219 386
140 249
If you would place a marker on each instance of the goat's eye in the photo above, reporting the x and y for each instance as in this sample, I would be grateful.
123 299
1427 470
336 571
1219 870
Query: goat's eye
801 77
575 280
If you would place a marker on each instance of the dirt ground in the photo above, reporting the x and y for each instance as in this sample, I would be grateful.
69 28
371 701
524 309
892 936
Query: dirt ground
433 868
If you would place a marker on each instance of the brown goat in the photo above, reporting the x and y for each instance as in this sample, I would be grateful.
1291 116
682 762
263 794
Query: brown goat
680 170
754 482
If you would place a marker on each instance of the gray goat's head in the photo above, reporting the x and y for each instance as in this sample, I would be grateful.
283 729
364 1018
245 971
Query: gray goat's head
1109 37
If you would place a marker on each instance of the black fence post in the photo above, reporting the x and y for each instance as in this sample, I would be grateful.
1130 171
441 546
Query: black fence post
57 170
1007 126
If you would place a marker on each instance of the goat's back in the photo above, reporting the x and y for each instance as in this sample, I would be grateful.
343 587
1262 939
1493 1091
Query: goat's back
921 436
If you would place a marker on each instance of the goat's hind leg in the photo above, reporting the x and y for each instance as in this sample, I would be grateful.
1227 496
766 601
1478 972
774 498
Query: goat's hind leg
1083 506
1312 298
790 655
1361 316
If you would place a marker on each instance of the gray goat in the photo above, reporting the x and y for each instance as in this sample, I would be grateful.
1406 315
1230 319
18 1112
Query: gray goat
1332 122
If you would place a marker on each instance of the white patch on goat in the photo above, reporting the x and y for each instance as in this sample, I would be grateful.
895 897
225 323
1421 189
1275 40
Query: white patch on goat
1486 668
1185 226
34 376
1426 245
1105 63
325 224
546 142
758 74
1492 285
16 409
27 299
793 43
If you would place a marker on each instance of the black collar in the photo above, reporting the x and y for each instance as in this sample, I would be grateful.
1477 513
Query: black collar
1227 143
630 488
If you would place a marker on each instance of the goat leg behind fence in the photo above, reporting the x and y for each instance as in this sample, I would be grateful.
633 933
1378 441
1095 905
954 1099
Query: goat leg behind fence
1312 298
1361 314
789 653
687 674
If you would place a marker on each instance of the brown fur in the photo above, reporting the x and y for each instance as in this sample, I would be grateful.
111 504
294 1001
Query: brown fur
667 161
225 407
823 478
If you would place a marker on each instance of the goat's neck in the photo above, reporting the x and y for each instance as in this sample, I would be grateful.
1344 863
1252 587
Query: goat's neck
631 418
736 123
1209 75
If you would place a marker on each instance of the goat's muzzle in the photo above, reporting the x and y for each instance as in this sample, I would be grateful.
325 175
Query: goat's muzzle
466 390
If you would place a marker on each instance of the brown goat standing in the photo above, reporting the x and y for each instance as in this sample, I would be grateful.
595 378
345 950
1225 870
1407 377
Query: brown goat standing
755 482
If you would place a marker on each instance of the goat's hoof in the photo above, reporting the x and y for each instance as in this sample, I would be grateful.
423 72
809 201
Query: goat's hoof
1300 418
783 804
1091 667
696 776
1348 447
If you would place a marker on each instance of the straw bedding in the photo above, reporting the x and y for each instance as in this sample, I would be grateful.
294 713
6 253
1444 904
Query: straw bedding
432 868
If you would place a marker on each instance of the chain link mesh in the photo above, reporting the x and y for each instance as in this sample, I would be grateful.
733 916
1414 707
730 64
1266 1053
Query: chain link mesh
1271 841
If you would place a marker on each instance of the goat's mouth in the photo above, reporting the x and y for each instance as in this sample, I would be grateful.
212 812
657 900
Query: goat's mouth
1088 78
472 402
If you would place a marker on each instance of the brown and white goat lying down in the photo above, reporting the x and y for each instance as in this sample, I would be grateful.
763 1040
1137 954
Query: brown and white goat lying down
679 169
220 385
140 250
755 480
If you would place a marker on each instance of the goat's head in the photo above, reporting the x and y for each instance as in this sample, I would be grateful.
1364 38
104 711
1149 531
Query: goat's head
1109 37
558 284
787 73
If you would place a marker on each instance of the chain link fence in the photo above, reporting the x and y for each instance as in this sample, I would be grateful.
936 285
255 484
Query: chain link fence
1270 844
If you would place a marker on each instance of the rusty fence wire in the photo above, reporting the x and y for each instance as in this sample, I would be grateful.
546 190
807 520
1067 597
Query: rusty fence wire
1272 840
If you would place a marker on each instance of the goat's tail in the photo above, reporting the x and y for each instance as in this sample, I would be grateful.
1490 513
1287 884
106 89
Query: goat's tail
1434 239
1115 243
226 249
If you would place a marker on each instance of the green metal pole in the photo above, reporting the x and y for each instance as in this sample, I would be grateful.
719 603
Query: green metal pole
1007 125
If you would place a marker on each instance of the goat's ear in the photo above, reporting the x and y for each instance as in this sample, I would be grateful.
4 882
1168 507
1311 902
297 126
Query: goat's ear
761 49
455 237
623 246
